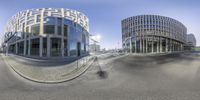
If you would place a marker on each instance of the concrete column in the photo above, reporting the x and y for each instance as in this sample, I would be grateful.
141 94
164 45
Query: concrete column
160 44
136 45
143 46
173 46
177 46
56 27
7 49
42 22
41 46
146 46
68 43
29 47
157 45
169 45
140 45
48 46
16 48
152 45
181 46
62 25
166 47
62 47
25 39
24 46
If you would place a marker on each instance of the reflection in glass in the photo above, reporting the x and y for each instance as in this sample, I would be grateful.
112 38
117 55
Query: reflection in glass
44 52
65 30
21 47
55 47
72 48
49 20
49 29
59 26
35 29
34 47
65 48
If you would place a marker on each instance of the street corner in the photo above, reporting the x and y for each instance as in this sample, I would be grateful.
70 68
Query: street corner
49 75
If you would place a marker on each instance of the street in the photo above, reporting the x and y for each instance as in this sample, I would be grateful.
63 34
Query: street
129 77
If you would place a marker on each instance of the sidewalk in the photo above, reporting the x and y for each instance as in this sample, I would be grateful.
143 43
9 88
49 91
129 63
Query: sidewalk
44 74
154 54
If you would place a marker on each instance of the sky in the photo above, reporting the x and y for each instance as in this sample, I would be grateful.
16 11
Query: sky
105 15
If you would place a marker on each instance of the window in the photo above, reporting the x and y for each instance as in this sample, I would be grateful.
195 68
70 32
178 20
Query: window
50 20
30 22
83 37
27 29
34 47
35 29
23 27
55 47
49 29
44 52
38 18
30 17
65 30
67 22
65 47
59 21
45 13
59 26
73 48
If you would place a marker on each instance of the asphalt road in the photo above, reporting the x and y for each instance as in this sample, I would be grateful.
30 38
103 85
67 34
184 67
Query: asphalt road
170 77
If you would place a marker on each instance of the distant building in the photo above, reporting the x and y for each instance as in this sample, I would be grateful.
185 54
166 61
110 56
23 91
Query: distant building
152 34
191 42
94 48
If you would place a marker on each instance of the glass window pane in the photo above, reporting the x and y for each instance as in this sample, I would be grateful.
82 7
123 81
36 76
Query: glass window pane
38 18
67 22
49 20
35 29
59 28
55 47
49 29
72 48
59 21
65 30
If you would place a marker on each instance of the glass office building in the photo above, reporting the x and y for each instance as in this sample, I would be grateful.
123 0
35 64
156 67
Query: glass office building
153 34
47 32
191 42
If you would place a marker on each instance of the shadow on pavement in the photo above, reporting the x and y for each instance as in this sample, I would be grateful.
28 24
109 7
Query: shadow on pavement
44 63
100 73
142 62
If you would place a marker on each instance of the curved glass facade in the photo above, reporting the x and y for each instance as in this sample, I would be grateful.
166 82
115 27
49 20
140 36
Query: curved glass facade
152 34
48 32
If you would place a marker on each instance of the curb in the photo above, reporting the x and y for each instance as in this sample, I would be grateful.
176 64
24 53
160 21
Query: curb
79 72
